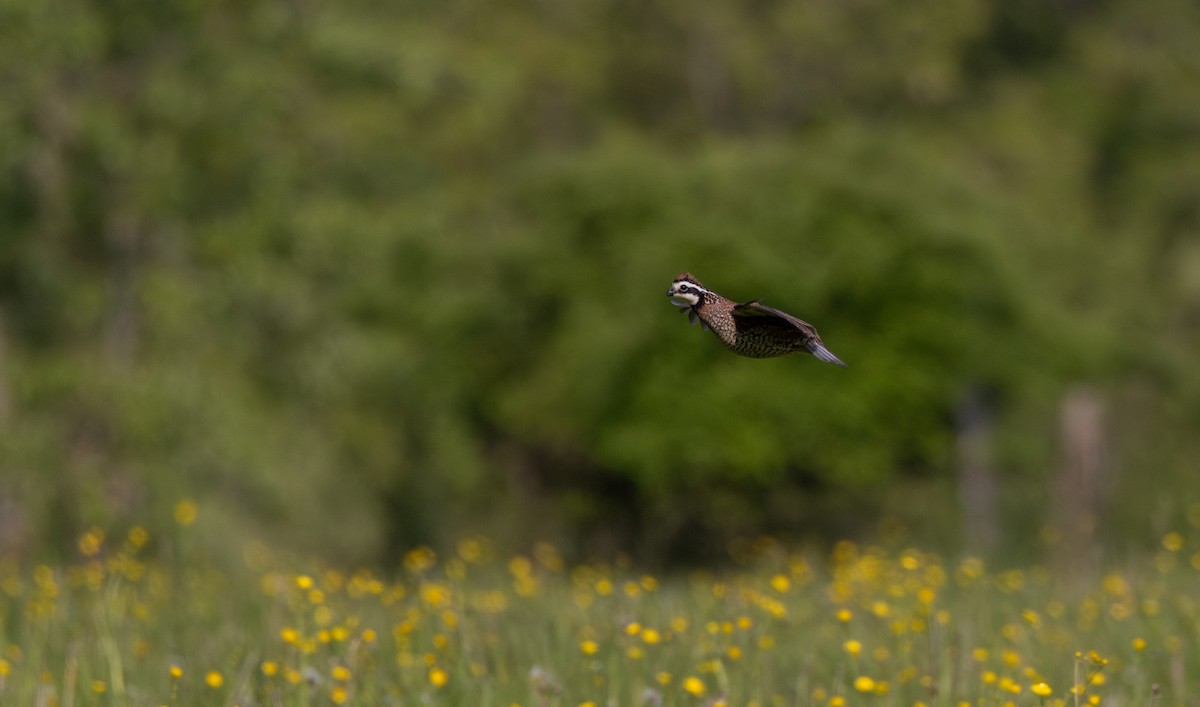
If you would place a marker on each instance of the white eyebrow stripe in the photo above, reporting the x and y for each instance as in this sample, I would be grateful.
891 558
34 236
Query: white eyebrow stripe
693 286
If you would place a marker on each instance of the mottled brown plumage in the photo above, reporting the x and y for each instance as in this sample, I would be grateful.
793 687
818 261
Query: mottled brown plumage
747 328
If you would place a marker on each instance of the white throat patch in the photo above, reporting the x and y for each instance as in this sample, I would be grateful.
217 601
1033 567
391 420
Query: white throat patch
686 294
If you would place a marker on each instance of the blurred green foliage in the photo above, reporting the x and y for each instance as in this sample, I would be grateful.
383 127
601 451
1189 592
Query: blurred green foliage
362 276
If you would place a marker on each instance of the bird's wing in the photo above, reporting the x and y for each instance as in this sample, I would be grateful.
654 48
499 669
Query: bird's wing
769 316
764 314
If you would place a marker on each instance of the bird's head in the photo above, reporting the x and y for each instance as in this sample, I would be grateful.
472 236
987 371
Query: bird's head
686 291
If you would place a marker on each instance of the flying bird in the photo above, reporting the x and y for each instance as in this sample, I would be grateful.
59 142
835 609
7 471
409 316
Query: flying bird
747 328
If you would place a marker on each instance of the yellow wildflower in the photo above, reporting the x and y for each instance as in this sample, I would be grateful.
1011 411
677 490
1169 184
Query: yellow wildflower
90 542
419 559
138 536
185 512
438 677
471 549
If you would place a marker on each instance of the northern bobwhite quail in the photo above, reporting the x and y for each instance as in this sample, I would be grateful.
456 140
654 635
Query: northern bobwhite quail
747 328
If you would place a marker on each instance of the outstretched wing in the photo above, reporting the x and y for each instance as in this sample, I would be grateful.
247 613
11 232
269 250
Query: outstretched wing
769 316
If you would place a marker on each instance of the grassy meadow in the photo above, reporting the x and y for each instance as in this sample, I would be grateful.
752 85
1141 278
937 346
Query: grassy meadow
361 276
139 620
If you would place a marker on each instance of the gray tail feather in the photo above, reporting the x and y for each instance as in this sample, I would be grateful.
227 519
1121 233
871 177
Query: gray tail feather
824 354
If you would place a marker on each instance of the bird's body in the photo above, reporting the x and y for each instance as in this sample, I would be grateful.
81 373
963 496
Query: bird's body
747 328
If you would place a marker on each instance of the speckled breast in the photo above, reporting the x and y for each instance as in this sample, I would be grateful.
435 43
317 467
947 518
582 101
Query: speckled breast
747 344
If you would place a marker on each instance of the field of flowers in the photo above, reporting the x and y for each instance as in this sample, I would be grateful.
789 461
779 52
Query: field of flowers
863 626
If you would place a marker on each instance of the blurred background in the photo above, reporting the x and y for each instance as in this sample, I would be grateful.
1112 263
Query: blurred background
352 277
